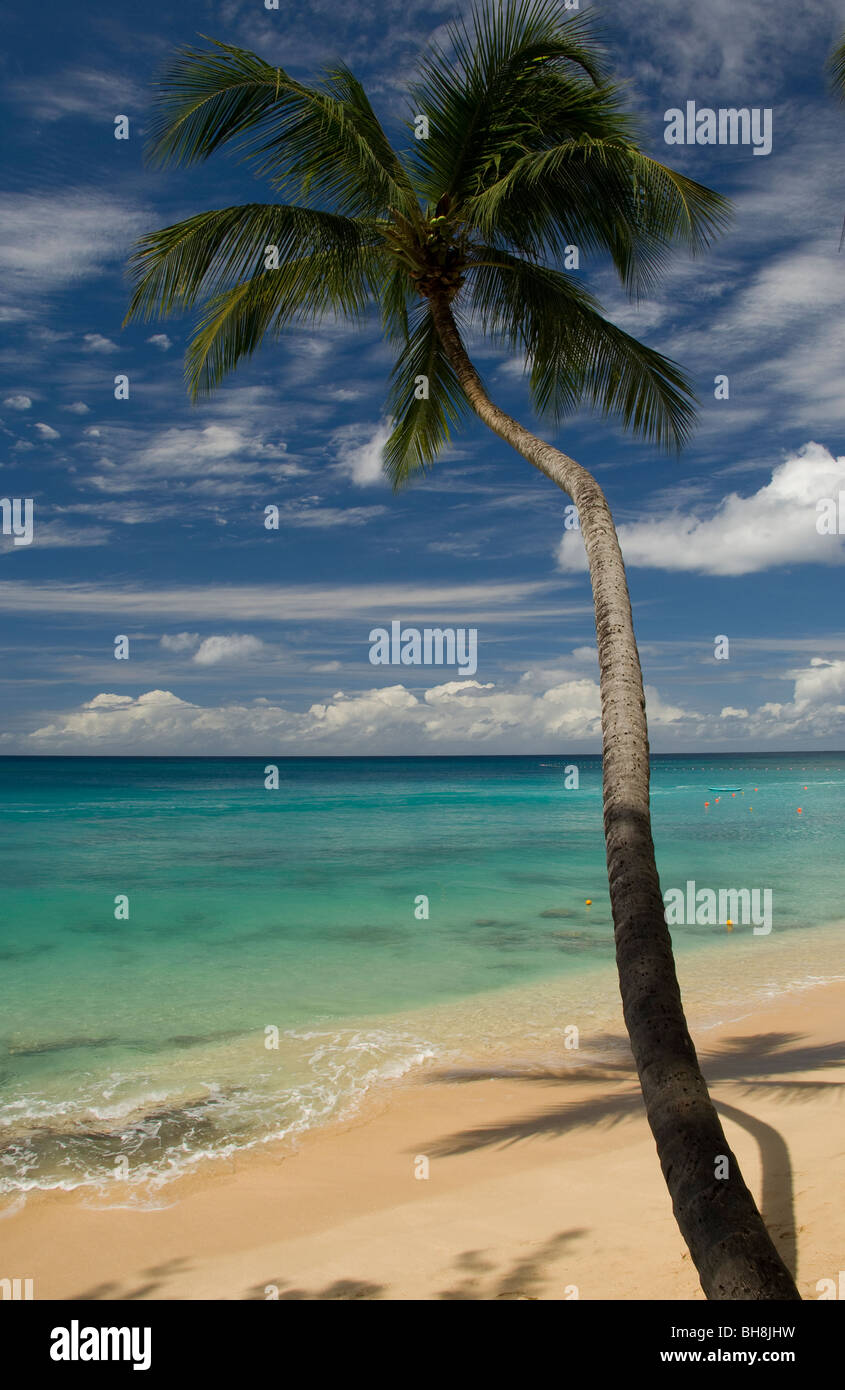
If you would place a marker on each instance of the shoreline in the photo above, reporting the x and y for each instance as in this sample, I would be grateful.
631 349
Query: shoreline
526 1195
526 1022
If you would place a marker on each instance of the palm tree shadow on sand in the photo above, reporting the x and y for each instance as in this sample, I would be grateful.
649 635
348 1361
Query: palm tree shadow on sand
767 1064
475 1277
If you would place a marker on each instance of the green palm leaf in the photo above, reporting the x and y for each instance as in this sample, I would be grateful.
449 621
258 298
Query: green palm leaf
574 355
422 423
485 94
528 153
235 322
177 266
599 194
304 139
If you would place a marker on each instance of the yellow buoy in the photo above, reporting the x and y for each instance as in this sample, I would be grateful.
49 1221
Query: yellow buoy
588 902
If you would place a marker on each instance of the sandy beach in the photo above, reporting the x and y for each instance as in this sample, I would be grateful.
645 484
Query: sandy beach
542 1184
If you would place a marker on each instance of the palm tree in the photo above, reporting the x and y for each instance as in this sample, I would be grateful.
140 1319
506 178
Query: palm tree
527 152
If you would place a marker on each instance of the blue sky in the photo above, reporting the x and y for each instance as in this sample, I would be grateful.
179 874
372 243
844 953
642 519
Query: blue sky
149 512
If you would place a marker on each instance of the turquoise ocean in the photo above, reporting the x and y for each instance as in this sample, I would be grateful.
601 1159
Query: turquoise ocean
277 965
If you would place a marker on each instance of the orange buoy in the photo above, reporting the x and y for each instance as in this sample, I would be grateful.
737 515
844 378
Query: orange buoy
707 803
588 902
799 810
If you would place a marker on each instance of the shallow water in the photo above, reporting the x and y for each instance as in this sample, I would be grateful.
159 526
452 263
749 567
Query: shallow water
276 962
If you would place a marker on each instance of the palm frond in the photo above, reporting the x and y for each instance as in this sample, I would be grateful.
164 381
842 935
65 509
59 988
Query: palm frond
177 266
575 356
422 423
395 298
492 87
307 140
599 194
235 322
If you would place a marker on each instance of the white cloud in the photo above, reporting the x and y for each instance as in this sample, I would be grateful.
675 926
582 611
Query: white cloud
95 342
528 715
77 408
446 715
299 603
18 402
77 92
215 458
46 432
819 683
161 341
214 650
56 535
742 535
720 48
236 647
188 449
308 513
359 452
180 641
51 240
817 707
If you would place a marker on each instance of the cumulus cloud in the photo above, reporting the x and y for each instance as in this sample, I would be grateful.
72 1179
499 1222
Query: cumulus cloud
95 342
817 706
777 525
449 715
236 647
213 650
77 408
820 682
558 709
46 432
18 402
161 341
359 452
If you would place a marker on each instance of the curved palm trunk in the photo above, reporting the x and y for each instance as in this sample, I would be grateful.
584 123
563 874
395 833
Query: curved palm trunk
731 1248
